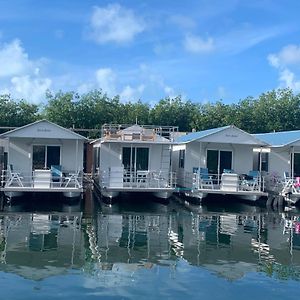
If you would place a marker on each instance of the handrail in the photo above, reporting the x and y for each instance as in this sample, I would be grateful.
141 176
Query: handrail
194 181
116 130
30 180
137 179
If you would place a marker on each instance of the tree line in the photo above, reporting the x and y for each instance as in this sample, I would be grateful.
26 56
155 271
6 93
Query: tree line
275 110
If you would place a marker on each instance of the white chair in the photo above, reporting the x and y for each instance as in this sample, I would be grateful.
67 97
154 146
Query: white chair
71 179
13 177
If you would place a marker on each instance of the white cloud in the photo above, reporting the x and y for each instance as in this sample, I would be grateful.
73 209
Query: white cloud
273 60
247 36
14 60
131 85
106 80
289 55
284 61
131 94
114 23
288 79
30 88
20 76
196 44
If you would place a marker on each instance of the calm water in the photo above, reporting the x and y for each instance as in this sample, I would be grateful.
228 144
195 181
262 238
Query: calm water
89 250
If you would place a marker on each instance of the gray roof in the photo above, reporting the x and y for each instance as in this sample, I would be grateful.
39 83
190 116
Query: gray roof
278 139
51 130
198 135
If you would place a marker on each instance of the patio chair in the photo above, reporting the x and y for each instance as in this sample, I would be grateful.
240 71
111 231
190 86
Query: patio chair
56 173
205 180
13 177
72 180
252 180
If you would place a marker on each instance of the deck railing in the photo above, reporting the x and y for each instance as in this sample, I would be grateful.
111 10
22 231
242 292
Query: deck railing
138 179
69 179
193 181
116 132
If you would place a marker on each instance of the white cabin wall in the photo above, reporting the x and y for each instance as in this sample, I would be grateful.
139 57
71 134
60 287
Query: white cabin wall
242 159
193 159
20 153
68 155
159 160
110 156
279 161
155 152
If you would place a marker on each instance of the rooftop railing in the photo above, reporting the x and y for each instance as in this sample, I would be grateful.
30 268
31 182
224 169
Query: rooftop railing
148 132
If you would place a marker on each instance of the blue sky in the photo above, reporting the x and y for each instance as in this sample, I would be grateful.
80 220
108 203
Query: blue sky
204 50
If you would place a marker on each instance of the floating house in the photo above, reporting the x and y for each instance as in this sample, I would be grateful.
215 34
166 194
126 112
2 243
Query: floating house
42 157
134 159
283 162
220 161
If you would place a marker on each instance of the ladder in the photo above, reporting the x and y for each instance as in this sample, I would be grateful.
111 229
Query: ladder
165 159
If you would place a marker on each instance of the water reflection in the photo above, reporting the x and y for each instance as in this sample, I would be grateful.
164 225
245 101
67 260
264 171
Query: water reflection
113 245
38 245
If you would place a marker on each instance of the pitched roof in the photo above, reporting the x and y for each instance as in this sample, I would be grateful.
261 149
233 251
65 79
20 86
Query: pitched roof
43 132
232 134
199 134
279 139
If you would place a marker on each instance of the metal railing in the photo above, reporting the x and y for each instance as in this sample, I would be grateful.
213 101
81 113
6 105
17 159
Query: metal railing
196 181
137 179
69 179
115 131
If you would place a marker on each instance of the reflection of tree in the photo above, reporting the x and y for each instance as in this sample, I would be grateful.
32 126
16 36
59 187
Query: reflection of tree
279 271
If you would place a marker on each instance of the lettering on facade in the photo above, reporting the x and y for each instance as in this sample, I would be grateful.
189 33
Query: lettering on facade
43 130
231 135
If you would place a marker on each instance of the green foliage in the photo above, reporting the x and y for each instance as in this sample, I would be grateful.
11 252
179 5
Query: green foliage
16 113
274 110
175 112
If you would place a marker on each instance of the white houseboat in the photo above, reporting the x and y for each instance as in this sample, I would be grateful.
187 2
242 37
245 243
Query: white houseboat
220 161
284 163
134 159
42 157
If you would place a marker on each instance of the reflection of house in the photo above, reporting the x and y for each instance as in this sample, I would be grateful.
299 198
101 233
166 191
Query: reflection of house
43 157
37 246
232 251
218 161
130 238
134 159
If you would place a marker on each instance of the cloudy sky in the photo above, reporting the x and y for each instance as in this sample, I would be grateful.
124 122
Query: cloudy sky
204 50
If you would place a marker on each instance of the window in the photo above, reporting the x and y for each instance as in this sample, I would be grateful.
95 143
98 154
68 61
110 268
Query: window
296 164
134 158
45 156
181 158
264 161
218 160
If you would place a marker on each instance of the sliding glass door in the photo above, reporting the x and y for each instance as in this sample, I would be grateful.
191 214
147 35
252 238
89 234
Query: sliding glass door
218 160
135 159
43 157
